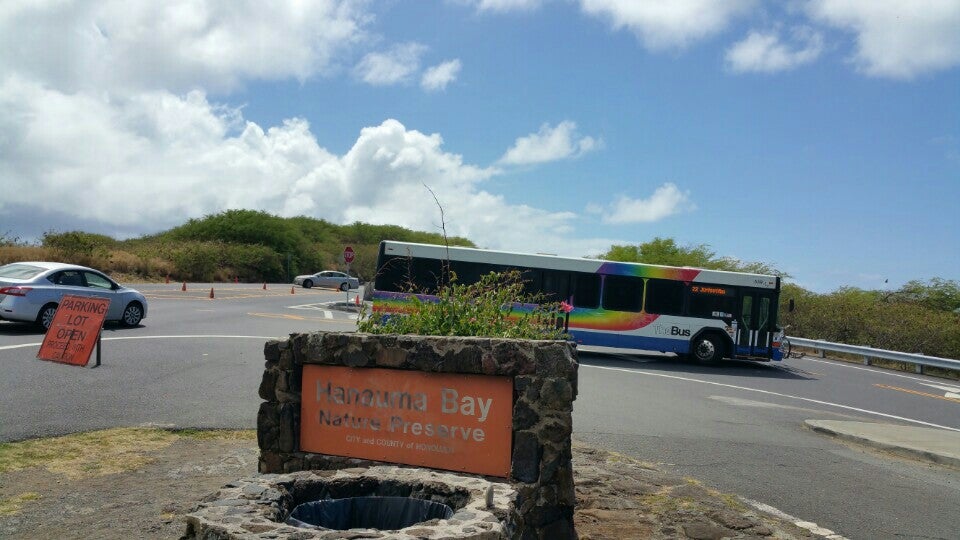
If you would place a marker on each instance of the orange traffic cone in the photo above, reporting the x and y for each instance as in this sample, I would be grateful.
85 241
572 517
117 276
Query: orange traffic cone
264 286
357 300
184 288
211 292
291 290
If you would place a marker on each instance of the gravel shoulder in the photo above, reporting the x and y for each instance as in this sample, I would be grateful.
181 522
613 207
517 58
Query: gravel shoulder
143 491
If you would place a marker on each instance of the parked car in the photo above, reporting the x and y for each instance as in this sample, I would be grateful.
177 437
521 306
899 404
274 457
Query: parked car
31 292
328 278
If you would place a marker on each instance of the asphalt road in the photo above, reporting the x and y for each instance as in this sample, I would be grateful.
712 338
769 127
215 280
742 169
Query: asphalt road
194 361
739 428
197 362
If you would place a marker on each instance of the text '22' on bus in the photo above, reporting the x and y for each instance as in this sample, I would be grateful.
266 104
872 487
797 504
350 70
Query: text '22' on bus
707 314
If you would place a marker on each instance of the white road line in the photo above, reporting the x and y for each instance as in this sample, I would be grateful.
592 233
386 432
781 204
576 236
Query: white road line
211 336
808 525
878 371
778 394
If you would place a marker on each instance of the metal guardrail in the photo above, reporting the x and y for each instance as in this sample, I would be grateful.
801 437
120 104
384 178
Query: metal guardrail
869 353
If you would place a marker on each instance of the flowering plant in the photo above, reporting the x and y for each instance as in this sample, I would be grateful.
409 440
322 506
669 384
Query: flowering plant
494 306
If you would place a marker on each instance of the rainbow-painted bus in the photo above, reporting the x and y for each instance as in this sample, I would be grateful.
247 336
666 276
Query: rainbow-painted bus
707 314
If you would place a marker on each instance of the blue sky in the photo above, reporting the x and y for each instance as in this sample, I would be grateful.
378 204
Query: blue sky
820 136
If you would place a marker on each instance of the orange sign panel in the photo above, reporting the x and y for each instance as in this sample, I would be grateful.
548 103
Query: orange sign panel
438 420
74 330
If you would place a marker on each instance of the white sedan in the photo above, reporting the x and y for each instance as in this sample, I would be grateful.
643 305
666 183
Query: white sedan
31 292
328 278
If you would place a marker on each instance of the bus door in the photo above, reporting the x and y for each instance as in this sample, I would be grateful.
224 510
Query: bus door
754 323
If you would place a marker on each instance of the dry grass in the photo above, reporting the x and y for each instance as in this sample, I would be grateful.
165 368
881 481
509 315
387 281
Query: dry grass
97 453
12 505
121 265
10 254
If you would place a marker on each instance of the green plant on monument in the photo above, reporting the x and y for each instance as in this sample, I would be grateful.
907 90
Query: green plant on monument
494 306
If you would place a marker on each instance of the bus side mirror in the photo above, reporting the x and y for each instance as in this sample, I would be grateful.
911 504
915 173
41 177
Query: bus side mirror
790 306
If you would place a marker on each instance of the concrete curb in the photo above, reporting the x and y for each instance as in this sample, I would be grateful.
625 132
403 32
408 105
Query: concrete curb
934 445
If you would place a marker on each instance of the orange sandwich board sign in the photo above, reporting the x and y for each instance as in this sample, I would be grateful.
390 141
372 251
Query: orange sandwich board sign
439 420
74 330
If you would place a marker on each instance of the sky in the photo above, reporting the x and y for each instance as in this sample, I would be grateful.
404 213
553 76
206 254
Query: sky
821 137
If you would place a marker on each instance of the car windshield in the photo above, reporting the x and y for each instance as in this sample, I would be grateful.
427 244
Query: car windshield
19 271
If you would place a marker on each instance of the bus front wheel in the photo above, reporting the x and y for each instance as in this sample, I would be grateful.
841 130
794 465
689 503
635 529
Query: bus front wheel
707 349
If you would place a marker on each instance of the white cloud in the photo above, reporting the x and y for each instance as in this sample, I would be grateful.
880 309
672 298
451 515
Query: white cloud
130 45
894 38
666 201
503 6
672 24
439 76
392 67
549 144
147 163
764 52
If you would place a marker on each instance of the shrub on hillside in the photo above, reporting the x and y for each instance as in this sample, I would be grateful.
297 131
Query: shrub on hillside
872 319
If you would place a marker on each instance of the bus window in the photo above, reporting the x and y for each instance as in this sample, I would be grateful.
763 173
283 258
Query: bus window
746 312
554 285
764 316
664 297
428 275
468 272
622 293
586 289
393 274
712 301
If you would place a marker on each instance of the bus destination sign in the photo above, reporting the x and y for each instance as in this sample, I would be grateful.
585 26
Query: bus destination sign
439 420
701 289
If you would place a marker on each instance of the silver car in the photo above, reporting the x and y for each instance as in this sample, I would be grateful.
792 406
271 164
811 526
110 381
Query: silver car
328 278
31 292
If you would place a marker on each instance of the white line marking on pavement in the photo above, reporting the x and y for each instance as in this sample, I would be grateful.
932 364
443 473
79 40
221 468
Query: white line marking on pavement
878 371
212 336
769 393
808 525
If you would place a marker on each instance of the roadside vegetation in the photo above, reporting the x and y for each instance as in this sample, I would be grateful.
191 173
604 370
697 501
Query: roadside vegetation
919 317
245 244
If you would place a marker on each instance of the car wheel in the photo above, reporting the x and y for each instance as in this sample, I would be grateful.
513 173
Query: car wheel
132 314
45 317
344 287
307 284
707 349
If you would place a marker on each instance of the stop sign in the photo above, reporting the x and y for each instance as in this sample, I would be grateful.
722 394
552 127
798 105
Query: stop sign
348 254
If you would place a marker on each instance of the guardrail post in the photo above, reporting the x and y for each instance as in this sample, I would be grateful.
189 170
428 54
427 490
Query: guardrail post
918 369
866 360
823 353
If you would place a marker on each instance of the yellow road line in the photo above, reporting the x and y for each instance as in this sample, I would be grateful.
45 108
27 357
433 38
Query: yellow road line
917 392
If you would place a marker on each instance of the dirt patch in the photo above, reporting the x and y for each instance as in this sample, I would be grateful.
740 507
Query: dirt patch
140 484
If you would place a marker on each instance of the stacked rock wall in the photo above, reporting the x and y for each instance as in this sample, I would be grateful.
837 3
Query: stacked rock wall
544 386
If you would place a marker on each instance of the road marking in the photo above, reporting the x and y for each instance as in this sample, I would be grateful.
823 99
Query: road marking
769 393
808 525
917 392
877 371
951 391
308 306
197 336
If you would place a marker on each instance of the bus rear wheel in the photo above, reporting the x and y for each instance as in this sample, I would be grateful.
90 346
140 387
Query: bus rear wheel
707 349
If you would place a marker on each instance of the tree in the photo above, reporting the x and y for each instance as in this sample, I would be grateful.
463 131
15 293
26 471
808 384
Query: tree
665 251
937 294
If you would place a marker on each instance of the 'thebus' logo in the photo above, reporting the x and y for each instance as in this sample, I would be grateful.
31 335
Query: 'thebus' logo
677 331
